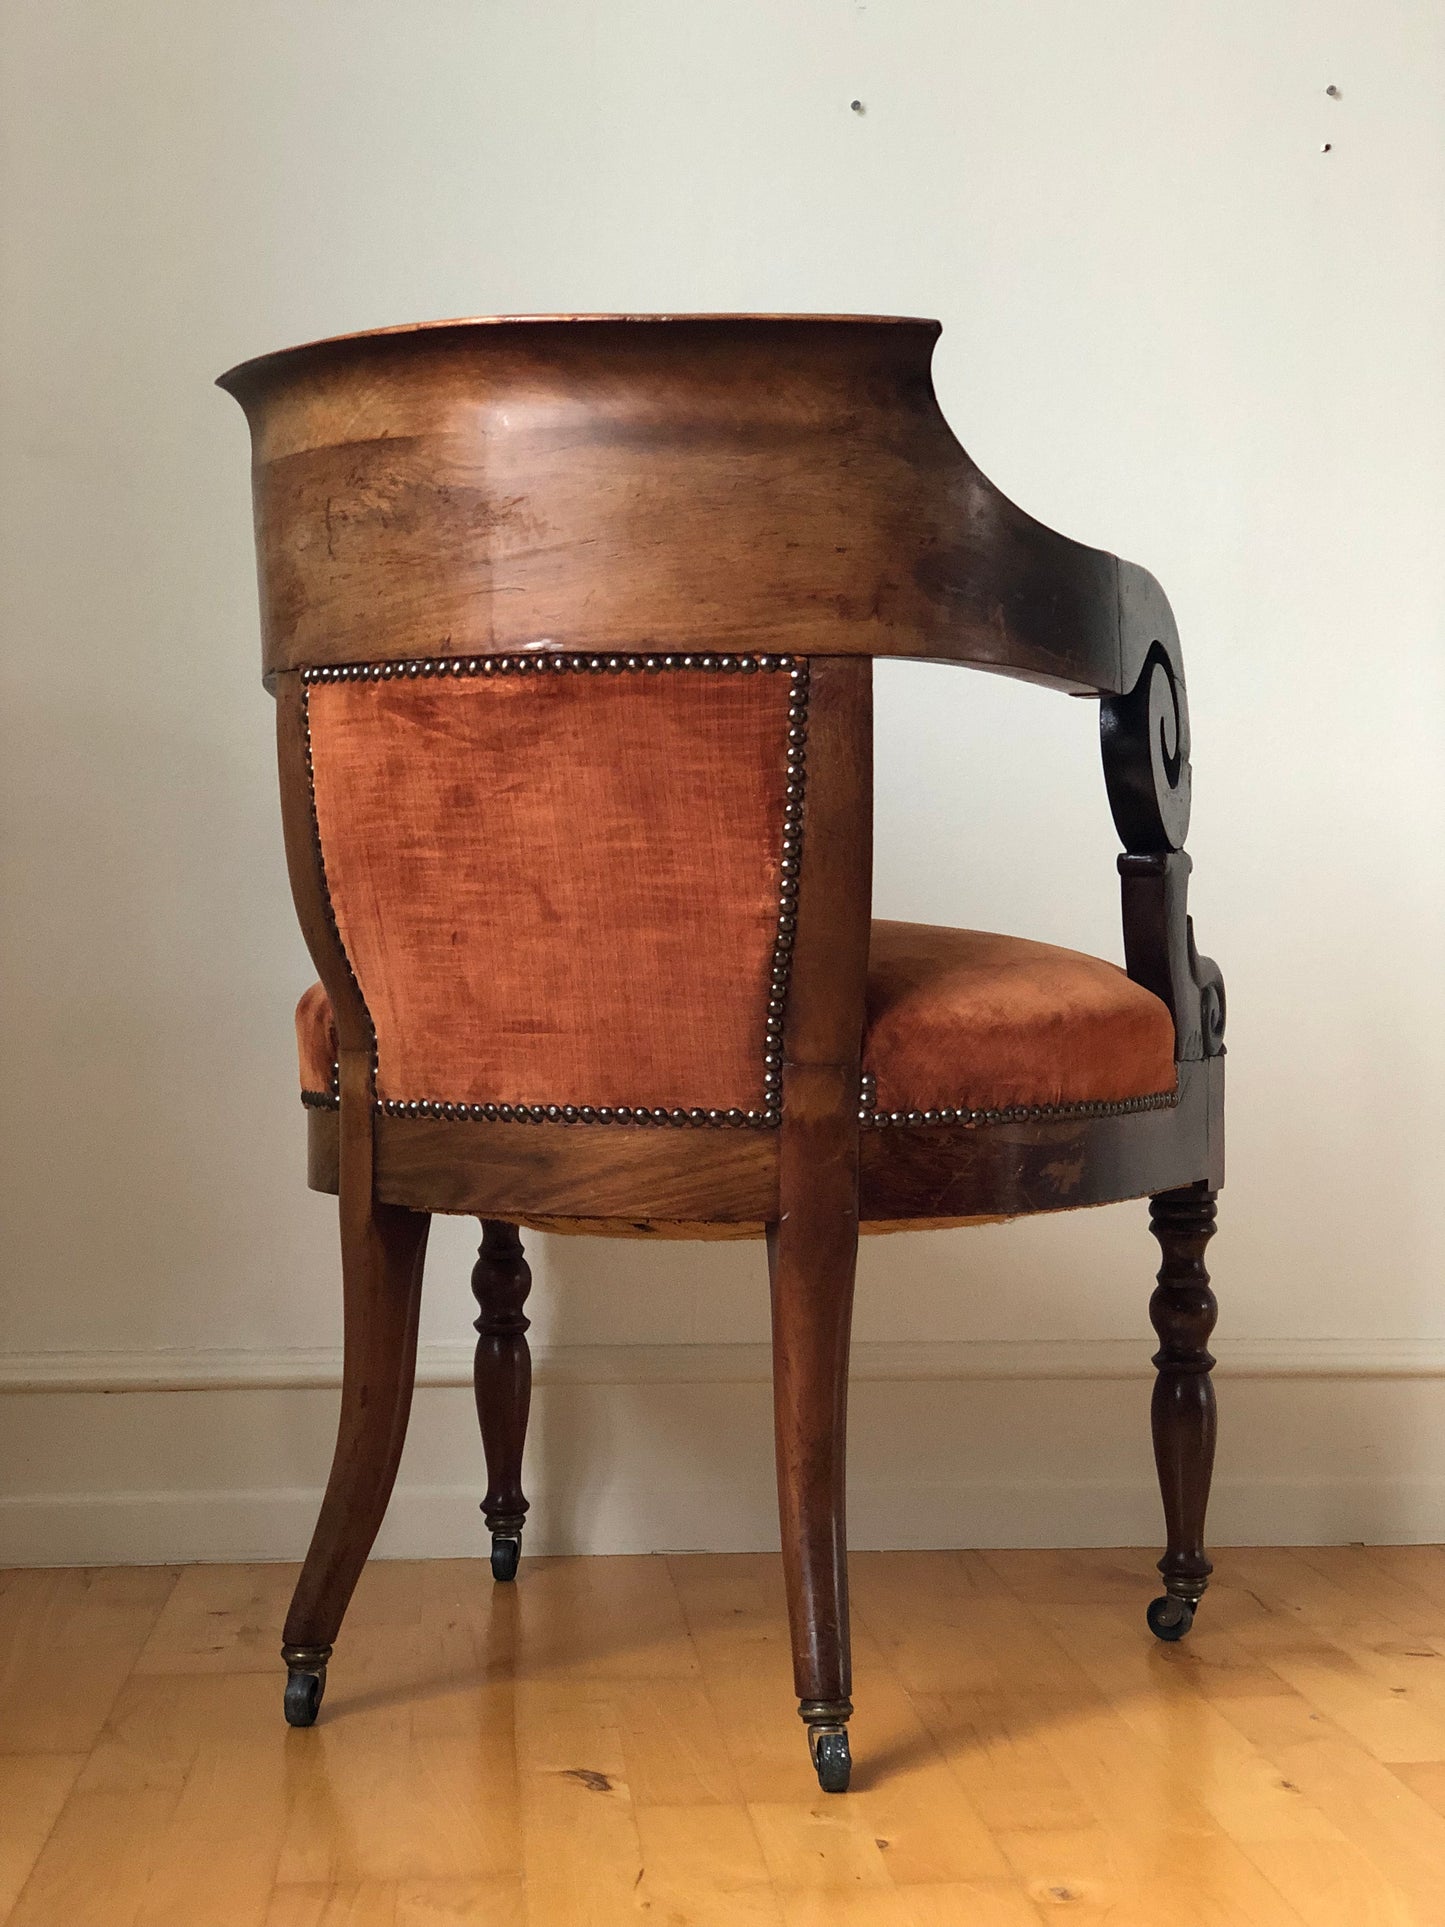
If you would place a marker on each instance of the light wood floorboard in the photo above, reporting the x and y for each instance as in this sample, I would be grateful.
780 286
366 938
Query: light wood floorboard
613 1742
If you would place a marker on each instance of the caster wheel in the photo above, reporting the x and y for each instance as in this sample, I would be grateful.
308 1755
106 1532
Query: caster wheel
832 1759
1170 1618
505 1556
303 1697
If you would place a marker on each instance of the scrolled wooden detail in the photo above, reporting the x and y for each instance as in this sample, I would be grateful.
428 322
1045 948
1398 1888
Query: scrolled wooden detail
1209 979
1145 736
1160 953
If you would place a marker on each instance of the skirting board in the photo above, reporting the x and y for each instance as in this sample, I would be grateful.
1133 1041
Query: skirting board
442 1522
958 1360
218 1456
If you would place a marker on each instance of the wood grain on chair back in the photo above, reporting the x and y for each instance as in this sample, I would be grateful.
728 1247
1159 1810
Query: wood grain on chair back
622 484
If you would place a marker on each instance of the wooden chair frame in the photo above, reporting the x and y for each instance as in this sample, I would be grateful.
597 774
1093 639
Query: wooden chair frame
911 551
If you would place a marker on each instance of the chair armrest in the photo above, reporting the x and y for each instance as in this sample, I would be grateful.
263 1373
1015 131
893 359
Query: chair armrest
1144 736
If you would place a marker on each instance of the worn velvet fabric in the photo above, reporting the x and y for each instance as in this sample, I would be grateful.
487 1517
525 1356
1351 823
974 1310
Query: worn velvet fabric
966 1020
555 888
956 1019
316 1040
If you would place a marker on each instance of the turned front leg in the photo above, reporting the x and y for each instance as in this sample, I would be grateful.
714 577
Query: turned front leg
1183 1311
501 1279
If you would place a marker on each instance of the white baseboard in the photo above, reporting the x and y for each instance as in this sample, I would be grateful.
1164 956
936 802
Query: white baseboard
212 1455
442 1522
299 1368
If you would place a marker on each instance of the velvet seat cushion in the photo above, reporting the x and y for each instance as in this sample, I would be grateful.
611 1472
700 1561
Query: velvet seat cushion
962 1019
956 1019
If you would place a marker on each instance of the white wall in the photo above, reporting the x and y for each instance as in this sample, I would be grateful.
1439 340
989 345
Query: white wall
1173 327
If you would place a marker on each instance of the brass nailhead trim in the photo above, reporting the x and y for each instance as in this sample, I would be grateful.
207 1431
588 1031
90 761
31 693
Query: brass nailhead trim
1016 1113
549 664
586 1114
789 863
567 1113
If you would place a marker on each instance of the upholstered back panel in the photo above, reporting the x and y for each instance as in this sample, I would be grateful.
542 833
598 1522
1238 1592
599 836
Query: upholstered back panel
560 883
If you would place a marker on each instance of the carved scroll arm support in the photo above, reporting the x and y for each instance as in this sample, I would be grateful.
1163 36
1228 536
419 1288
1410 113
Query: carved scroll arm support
1160 954
1145 740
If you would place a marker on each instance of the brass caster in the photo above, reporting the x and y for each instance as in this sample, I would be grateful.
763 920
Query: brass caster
832 1761
303 1696
305 1682
1170 1618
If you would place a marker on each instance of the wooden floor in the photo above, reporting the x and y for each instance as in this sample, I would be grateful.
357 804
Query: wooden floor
613 1740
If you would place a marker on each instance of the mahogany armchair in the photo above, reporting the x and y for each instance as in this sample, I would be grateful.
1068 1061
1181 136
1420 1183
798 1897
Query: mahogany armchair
570 623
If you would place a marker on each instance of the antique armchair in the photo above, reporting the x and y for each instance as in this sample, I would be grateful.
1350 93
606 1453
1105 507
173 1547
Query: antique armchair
570 625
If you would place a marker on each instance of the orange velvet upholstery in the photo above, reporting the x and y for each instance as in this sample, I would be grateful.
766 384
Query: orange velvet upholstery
556 888
957 1019
965 1020
316 1042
